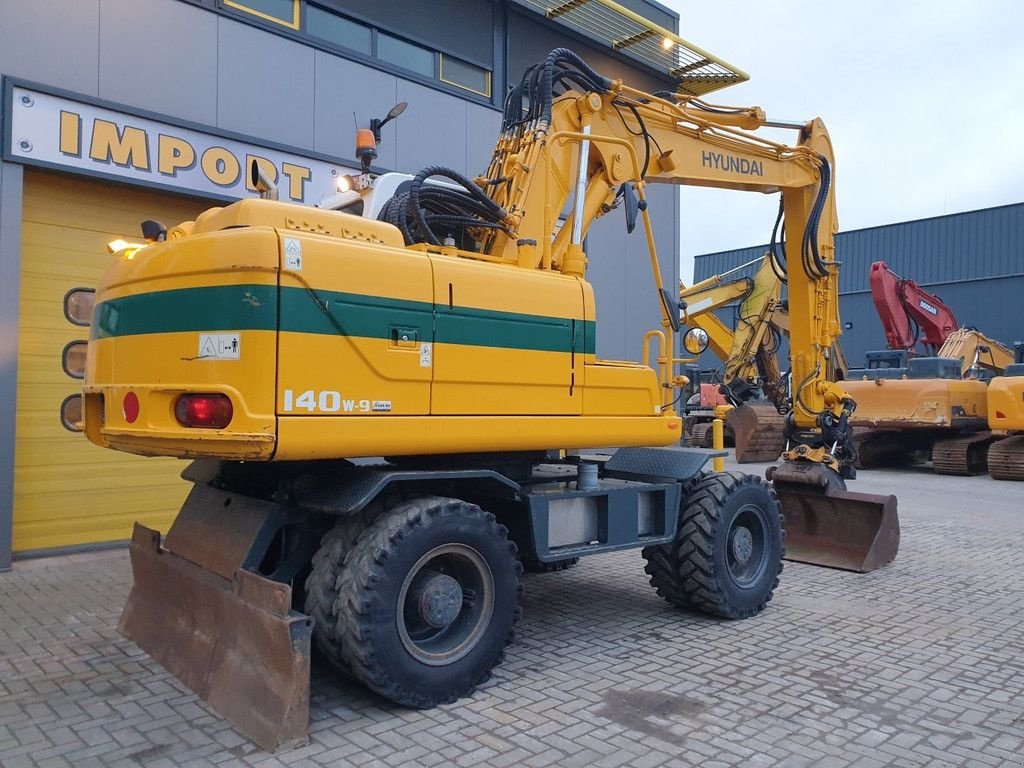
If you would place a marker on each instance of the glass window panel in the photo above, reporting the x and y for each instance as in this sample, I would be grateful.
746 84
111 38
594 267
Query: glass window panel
282 11
78 304
71 413
465 75
337 29
73 359
405 55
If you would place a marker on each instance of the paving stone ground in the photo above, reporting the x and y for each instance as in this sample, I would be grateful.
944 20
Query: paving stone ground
919 664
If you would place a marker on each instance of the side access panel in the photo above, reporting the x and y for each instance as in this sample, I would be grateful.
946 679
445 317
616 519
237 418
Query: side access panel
356 329
508 341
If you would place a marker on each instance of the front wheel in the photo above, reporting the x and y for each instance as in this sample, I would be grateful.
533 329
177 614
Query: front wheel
427 601
727 555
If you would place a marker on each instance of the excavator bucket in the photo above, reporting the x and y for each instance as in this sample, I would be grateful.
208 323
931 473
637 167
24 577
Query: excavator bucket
759 432
225 631
830 526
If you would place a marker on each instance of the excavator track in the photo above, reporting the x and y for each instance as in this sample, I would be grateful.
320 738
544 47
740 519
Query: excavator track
965 456
882 448
1006 459
700 437
759 431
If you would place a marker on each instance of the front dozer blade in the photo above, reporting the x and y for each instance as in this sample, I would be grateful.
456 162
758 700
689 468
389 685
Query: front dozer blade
227 633
830 526
759 432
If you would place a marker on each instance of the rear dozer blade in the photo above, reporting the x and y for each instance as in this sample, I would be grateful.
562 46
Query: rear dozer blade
830 526
227 633
759 431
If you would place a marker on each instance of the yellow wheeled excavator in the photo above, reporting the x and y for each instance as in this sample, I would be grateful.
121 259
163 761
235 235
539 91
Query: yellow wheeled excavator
1006 413
378 407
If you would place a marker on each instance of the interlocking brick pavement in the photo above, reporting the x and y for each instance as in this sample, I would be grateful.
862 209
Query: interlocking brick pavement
919 664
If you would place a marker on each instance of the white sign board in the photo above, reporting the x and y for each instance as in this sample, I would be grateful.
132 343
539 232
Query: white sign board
54 131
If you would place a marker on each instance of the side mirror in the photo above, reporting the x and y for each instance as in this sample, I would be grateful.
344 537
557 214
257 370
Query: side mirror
696 341
632 206
377 123
671 309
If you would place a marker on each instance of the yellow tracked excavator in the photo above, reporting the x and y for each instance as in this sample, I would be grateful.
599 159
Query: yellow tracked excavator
1006 413
378 406
930 406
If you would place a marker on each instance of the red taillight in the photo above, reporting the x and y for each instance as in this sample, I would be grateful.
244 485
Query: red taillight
130 407
211 411
1000 415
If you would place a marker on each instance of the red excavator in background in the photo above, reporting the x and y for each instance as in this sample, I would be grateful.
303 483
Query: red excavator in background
909 314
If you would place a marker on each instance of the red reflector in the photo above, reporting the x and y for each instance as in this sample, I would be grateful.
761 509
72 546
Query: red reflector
211 411
131 407
1000 415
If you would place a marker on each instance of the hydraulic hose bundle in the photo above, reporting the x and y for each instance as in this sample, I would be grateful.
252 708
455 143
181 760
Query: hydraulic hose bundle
433 213
459 212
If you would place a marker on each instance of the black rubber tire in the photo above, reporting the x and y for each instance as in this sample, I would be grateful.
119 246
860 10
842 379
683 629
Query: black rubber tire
370 584
693 572
322 583
536 566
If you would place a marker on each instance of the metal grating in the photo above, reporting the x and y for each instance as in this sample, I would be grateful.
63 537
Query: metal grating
695 71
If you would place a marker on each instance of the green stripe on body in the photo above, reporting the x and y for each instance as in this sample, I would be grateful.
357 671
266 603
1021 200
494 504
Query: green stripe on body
333 313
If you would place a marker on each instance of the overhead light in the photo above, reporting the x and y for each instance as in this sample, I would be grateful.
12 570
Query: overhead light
666 43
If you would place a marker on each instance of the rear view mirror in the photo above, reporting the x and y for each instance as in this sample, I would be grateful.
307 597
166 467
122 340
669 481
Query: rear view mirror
671 309
632 206
696 341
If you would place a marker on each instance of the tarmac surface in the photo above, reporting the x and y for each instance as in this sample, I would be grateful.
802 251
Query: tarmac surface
918 664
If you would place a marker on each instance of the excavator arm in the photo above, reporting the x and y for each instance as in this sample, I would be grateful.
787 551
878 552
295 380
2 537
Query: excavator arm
908 312
573 140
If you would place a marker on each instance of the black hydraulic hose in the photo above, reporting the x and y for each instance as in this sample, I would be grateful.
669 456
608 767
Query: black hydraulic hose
814 267
778 258
564 55
494 211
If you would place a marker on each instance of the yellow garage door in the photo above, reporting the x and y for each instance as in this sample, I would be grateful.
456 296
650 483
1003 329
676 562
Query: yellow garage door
67 491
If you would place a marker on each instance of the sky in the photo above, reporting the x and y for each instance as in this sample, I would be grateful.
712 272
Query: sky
923 100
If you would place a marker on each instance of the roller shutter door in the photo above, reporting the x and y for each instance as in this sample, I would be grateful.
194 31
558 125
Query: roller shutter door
68 492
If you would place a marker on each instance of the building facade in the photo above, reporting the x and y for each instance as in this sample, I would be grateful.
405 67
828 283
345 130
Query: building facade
118 111
973 261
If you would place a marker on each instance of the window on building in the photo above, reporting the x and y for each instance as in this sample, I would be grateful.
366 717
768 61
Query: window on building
71 413
338 30
465 75
284 12
78 304
405 55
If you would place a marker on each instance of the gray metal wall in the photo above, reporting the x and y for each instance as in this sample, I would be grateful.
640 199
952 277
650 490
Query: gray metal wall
974 261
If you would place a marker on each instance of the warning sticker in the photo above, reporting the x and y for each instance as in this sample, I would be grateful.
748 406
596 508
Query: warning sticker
292 254
425 355
220 346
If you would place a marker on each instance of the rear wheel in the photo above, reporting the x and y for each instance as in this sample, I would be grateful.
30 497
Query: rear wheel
427 601
322 584
727 555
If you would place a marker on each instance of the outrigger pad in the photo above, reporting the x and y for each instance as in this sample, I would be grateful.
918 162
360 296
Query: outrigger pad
235 642
829 526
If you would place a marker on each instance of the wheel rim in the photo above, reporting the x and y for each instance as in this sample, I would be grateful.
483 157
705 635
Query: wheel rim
746 546
445 604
